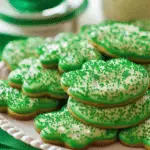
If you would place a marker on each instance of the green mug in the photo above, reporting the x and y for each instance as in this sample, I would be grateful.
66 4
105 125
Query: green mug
34 5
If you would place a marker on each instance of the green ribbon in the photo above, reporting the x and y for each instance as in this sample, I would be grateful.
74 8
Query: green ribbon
8 142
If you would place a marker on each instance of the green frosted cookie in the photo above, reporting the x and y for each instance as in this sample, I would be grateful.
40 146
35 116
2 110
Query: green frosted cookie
138 136
122 40
62 128
22 107
16 51
106 84
117 117
37 81
147 67
16 77
86 28
68 53
3 100
64 37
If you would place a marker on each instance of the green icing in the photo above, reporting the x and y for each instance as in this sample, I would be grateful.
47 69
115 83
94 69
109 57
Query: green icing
147 67
61 126
69 52
21 104
117 117
117 81
3 98
40 50
16 51
48 103
34 79
138 135
122 40
43 120
86 28
62 37
145 24
17 76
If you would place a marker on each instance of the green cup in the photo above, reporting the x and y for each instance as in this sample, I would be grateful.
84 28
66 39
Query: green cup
34 5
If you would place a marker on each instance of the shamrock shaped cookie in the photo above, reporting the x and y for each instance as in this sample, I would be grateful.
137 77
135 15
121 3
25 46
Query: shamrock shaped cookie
17 76
68 54
116 117
122 40
62 128
106 84
22 107
16 51
37 81
138 136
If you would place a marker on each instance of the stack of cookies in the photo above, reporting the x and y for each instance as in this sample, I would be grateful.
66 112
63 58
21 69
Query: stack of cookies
33 84
102 72
30 88
104 96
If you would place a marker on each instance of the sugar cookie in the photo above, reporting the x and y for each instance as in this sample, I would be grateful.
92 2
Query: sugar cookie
16 76
106 84
68 54
122 40
138 136
22 107
16 51
117 117
62 129
37 81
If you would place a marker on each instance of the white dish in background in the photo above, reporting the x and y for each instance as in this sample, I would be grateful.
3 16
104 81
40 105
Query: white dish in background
65 7
49 22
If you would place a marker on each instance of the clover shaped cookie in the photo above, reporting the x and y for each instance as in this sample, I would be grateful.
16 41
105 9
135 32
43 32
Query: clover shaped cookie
115 117
138 136
16 76
69 54
106 84
62 128
22 107
37 81
122 40
16 51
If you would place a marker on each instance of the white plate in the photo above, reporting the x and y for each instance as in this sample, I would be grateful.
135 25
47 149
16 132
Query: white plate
24 131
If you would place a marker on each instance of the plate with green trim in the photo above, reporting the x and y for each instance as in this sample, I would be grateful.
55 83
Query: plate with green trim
65 11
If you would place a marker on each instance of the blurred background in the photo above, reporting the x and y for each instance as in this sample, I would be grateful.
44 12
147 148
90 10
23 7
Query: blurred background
49 17
91 13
